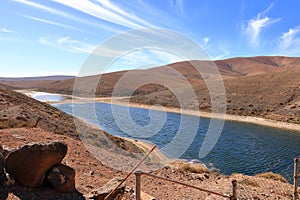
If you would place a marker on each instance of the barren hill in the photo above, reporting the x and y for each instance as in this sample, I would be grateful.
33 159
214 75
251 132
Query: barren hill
268 87
265 86
33 82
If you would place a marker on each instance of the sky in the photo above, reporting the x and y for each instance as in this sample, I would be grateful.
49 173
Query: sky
44 37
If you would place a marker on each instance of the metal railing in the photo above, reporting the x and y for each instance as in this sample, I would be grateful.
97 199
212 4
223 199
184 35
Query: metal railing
138 175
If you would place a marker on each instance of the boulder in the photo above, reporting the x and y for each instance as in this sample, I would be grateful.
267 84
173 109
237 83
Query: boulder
146 196
102 192
2 172
62 178
30 162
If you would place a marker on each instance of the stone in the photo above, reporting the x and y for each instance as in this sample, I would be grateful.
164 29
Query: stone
62 178
146 196
2 172
10 180
102 192
30 162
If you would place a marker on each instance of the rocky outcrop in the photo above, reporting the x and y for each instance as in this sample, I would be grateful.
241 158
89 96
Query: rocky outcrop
2 172
102 192
62 178
30 162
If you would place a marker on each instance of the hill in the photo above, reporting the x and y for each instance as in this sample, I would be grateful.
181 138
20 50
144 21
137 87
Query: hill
19 115
257 86
264 86
32 82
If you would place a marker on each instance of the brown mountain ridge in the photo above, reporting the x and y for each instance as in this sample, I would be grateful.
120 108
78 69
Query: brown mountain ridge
264 86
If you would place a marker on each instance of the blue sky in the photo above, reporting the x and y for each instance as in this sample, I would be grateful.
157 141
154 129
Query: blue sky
55 37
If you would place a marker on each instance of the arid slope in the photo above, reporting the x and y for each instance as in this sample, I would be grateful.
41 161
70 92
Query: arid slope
264 86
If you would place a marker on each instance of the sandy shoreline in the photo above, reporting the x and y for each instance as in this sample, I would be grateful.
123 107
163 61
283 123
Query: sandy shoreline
120 101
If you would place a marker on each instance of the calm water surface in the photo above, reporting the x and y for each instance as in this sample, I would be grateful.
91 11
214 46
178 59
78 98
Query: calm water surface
44 96
241 148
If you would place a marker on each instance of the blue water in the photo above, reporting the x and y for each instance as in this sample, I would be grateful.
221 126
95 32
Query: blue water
241 148
44 96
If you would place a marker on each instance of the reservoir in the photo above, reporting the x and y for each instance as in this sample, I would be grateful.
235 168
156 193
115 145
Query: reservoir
241 148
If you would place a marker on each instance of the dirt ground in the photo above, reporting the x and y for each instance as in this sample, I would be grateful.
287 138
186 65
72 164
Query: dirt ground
92 174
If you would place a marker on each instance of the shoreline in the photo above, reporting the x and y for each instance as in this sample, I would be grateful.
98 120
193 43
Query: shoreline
120 101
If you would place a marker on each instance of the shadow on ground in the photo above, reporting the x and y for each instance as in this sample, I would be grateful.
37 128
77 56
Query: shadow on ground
37 194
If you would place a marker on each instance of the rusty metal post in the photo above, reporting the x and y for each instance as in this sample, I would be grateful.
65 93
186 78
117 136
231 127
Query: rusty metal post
296 173
138 175
131 172
234 190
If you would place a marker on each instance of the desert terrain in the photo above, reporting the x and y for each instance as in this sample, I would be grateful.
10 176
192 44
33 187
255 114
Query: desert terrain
24 120
265 87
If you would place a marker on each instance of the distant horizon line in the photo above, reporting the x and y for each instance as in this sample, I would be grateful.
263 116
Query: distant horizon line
74 76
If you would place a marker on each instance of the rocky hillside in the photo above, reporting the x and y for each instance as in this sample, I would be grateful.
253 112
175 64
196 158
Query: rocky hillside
25 120
17 111
257 86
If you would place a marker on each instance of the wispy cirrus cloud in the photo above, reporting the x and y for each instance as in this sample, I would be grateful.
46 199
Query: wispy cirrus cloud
50 22
179 5
289 42
205 42
221 52
105 10
6 30
65 15
68 44
255 25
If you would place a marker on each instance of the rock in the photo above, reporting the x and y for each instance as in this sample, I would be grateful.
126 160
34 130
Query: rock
10 180
102 192
62 178
30 162
206 176
146 196
2 172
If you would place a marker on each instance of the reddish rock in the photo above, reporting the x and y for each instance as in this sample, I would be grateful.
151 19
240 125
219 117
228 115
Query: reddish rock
2 173
30 162
102 192
62 178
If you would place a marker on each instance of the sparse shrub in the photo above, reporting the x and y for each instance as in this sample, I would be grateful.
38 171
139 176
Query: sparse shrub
198 168
183 167
273 176
249 182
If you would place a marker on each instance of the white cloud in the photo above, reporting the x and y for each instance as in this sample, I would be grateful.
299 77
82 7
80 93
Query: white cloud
221 56
206 44
107 11
50 22
289 42
5 30
179 5
66 15
289 38
68 44
222 52
257 24
143 59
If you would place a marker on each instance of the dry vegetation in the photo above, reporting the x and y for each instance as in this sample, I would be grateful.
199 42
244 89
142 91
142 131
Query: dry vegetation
272 176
